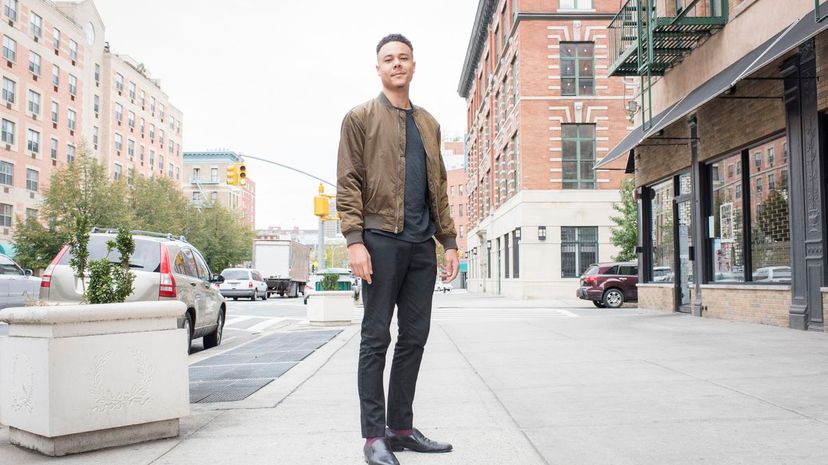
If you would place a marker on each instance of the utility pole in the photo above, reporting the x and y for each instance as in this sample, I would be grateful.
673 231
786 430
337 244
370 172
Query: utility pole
322 209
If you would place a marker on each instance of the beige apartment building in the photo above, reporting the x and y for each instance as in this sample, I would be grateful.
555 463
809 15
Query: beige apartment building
729 155
542 110
205 175
64 89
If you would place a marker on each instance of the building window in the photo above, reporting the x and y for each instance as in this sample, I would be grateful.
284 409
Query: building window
56 38
152 106
662 235
36 25
6 173
757 160
33 141
55 75
70 120
130 174
73 85
579 249
141 127
577 68
576 4
516 161
770 237
214 197
9 48
728 236
152 132
95 136
70 153
214 175
578 156
460 210
8 90
152 159
143 98
131 119
131 149
34 102
506 267
516 253
7 132
73 50
117 173
119 112
161 111
119 142
32 179
97 72
131 91
53 149
5 215
141 154
462 231
771 156
34 63
10 9
97 105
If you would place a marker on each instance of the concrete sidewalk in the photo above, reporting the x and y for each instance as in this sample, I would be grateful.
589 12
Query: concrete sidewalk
551 387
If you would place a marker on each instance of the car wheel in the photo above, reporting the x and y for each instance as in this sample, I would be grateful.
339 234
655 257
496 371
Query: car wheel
598 304
213 339
255 295
188 327
235 298
264 296
613 298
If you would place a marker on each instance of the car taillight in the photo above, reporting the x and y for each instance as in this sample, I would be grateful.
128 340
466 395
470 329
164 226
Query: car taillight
590 280
250 284
46 279
167 285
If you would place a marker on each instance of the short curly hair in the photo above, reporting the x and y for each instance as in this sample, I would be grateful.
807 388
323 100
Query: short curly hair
394 38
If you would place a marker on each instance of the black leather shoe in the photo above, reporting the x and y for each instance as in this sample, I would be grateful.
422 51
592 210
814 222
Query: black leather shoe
416 442
379 453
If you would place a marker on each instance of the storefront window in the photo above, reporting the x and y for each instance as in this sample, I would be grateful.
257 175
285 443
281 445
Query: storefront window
663 243
728 234
770 231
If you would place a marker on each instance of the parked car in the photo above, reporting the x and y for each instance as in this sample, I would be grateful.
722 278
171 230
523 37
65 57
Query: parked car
165 268
772 274
17 286
610 284
243 282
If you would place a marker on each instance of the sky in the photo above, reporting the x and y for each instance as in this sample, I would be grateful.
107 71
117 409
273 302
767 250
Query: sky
273 79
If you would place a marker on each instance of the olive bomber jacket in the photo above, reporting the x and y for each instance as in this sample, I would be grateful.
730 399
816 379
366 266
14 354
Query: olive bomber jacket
371 171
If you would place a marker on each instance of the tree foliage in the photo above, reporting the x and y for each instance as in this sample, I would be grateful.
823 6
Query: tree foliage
625 232
81 196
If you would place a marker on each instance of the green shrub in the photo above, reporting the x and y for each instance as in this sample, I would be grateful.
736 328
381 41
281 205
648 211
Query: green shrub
112 282
329 281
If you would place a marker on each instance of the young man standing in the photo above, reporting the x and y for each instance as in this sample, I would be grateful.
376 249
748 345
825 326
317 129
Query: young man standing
392 199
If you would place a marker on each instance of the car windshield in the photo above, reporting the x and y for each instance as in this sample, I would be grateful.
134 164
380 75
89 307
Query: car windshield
7 267
234 274
147 256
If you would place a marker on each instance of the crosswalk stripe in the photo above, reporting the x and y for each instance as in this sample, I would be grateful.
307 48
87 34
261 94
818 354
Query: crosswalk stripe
237 319
259 327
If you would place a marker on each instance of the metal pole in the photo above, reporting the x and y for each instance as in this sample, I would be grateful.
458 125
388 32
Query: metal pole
320 251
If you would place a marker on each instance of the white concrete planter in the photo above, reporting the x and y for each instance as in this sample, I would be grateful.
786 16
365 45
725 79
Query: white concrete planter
85 377
330 308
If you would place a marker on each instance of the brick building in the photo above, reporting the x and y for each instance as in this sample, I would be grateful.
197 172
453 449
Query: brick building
206 183
729 157
541 112
454 159
63 89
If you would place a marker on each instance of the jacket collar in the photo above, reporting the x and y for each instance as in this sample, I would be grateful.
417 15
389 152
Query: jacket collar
382 98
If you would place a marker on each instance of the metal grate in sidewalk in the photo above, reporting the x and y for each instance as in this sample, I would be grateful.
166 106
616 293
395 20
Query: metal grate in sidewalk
240 372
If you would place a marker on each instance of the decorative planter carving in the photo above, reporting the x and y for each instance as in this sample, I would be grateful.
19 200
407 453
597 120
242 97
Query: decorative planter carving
77 378
330 308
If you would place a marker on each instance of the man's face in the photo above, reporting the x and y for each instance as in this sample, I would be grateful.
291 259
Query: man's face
395 65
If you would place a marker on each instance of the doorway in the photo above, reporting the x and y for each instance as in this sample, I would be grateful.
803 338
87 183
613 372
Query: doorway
684 244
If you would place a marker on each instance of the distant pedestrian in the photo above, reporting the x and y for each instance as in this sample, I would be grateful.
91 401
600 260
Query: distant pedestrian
392 199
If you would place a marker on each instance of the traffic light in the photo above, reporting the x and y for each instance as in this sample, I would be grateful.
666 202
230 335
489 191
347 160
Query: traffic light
242 172
233 174
321 206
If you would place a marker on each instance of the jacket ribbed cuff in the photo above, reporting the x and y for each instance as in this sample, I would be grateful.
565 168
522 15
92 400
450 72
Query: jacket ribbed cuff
353 237
449 242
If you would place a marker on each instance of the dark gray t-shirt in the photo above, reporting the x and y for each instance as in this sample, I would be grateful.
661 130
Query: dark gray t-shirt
417 224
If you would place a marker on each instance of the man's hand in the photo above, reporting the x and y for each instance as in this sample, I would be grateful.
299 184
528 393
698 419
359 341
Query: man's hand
452 266
360 261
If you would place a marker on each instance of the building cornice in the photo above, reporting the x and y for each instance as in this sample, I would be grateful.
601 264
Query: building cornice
479 35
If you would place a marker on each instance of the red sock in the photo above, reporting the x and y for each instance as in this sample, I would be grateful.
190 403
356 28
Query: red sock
370 441
403 432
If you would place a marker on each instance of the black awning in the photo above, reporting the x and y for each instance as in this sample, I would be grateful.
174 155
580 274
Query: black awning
798 32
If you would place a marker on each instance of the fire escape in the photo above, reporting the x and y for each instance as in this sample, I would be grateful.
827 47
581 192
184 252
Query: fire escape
647 37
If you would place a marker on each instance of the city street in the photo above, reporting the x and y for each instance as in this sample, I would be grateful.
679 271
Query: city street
524 382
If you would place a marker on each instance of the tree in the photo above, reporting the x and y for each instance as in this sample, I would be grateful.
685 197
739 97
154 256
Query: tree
625 233
221 236
37 244
159 205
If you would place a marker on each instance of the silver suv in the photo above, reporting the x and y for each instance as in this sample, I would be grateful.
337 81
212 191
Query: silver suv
165 268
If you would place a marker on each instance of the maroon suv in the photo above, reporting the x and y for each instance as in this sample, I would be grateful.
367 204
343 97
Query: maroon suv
610 284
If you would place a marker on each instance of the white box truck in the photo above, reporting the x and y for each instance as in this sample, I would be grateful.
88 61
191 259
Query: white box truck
284 265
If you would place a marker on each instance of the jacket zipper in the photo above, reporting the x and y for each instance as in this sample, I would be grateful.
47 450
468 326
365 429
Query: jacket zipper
396 202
